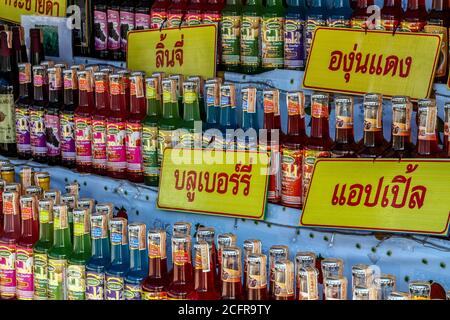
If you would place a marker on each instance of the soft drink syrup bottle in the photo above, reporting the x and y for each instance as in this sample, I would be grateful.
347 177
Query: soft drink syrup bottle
19 48
23 103
257 277
208 234
223 240
292 152
427 141
227 122
99 118
213 15
138 261
272 32
230 35
284 280
194 12
113 18
344 145
231 275
71 201
360 15
317 16
438 22
176 13
307 283
24 250
37 116
59 254
154 286
329 268
134 128
447 129
251 36
335 288
319 144
52 116
36 46
212 107
247 139
179 79
150 132
100 258
83 122
101 29
67 119
41 248
116 129
391 15
127 23
276 253
8 244
190 138
182 284
199 88
294 40
401 143
76 270
415 17
158 14
250 246
142 15
120 264
340 14
204 278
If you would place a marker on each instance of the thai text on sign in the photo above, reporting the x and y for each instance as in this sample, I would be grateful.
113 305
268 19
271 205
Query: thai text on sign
359 61
11 10
409 196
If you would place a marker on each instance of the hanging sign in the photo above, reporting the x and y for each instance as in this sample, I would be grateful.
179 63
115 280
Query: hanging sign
12 10
407 196
359 61
185 50
225 183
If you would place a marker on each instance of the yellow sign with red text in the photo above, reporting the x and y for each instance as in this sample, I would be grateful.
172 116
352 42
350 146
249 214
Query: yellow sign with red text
359 61
387 195
186 50
216 182
11 10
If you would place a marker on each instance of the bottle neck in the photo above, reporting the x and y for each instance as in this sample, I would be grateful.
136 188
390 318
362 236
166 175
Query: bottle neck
170 110
100 248
153 107
137 259
416 4
341 4
69 97
55 96
362 4
399 143
11 224
117 254
85 99
204 281
5 64
428 146
317 4
137 106
25 90
439 5
62 239
81 244
38 93
296 125
45 232
182 273
392 4
373 138
157 267
101 101
211 112
191 112
274 3
344 135
226 116
27 228
320 127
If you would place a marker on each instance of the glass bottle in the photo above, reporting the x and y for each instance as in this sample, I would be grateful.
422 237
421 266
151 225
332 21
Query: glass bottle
248 139
292 153
294 41
138 261
227 122
99 118
317 16
401 143
307 283
37 117
251 36
223 240
120 264
67 118
415 17
182 284
360 15
305 259
427 140
23 103
158 13
194 12
251 246
231 274
204 273
391 15
19 48
150 132
100 258
101 29
113 18
230 35
386 285
36 46
272 49
142 15
340 14
283 280
126 24
59 254
191 115
208 234
335 288
276 253
176 13
41 248
256 280
344 146
212 106
154 287
52 116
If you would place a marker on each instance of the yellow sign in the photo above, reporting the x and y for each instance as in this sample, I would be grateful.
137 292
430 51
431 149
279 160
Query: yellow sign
389 195
186 50
11 10
214 182
357 62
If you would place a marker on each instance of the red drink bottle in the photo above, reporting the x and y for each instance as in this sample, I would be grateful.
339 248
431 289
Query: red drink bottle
257 277
182 284
284 280
208 234
276 253
231 274
307 283
427 143
344 146
204 281
250 247
223 240
391 15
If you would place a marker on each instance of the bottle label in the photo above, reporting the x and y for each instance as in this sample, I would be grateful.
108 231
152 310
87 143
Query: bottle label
311 24
68 150
389 24
401 123
309 159
99 157
193 19
339 22
150 153
134 147
231 39
412 26
157 19
53 135
126 24
272 42
24 273
231 275
38 136
113 30
100 30
40 269
83 133
291 169
250 35
294 54
7 123
76 282
115 147
175 20
114 288
154 295
95 285
319 110
8 270
142 20
165 140
57 271
211 18
360 24
132 291
441 68
372 119
23 137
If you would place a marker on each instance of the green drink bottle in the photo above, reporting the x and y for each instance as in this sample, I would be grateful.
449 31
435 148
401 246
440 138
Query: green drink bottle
251 36
59 254
41 248
76 271
273 35
230 35
191 114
